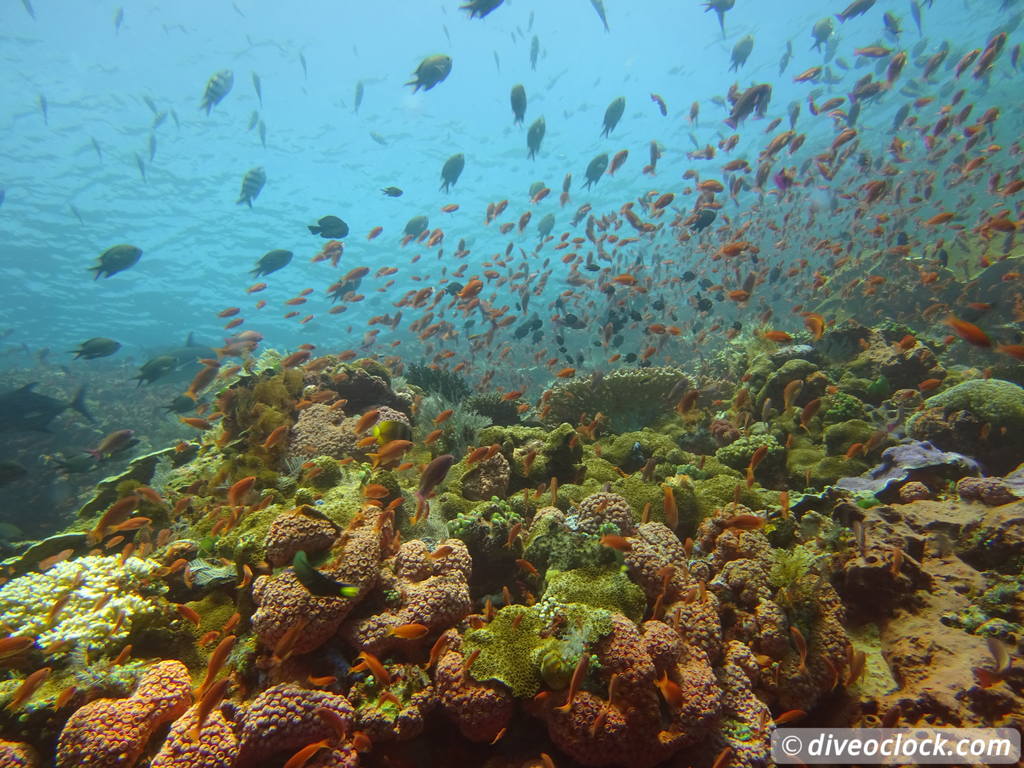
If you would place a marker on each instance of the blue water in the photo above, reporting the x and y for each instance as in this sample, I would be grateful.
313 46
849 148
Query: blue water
198 244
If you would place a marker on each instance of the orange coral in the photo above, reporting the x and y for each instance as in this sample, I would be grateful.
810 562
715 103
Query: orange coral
215 748
14 754
114 732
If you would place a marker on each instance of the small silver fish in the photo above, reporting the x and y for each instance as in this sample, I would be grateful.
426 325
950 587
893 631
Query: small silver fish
152 146
77 214
358 97
305 69
151 104
29 8
174 116
43 108
158 119
99 152
254 120
263 134
118 20
142 165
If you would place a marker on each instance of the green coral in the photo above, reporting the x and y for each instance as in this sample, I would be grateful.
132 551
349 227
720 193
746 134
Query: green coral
841 407
878 390
328 475
739 452
244 543
619 449
715 492
598 468
606 588
630 398
451 505
810 467
484 527
374 368
791 575
775 385
510 648
555 452
839 437
994 401
552 544
525 647
639 493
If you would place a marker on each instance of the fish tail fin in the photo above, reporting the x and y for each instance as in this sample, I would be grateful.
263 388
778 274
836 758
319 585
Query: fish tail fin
313 230
78 403
731 123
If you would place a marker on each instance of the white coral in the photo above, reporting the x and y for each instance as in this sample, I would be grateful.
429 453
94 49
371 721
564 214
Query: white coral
26 602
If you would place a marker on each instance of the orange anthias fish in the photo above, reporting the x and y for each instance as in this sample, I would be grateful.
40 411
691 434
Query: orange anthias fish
28 687
409 631
780 337
969 332
238 492
390 452
670 691
577 680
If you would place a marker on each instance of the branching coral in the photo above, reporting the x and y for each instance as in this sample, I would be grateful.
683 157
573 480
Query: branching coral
103 599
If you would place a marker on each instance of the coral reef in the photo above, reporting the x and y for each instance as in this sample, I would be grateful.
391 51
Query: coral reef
983 418
668 564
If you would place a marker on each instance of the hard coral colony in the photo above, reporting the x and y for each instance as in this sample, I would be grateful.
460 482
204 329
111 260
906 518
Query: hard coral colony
709 459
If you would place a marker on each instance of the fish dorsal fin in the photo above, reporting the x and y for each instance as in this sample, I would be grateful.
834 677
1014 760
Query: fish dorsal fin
190 340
